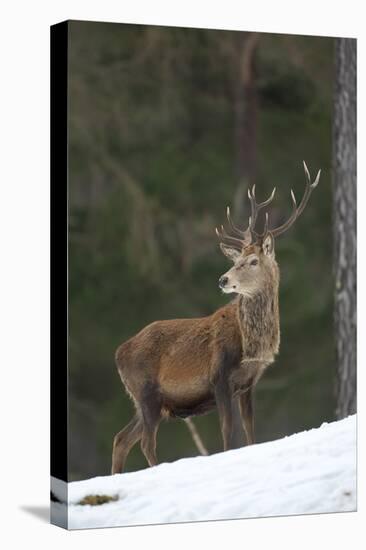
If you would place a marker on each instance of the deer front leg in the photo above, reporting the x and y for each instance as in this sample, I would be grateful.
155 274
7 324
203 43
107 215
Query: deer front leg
224 406
252 371
247 416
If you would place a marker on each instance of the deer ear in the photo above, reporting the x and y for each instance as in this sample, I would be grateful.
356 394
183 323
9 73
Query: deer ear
229 252
268 245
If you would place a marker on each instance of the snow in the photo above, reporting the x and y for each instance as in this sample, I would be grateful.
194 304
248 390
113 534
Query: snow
306 473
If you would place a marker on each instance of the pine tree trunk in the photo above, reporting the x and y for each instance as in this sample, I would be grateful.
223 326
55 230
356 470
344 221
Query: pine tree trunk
344 208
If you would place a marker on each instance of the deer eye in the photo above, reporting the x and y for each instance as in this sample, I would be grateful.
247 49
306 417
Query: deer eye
254 262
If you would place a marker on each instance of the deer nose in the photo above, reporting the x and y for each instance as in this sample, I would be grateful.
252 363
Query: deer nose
223 281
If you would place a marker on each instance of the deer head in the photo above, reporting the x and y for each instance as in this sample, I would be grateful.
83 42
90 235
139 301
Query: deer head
252 253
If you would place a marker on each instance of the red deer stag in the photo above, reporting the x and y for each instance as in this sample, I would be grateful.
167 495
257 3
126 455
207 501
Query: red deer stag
186 367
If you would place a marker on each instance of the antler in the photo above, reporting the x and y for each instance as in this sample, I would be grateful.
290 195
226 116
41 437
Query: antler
255 209
233 241
246 237
250 235
296 211
233 228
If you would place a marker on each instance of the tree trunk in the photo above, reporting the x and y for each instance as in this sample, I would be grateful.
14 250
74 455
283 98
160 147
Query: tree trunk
246 118
246 124
344 219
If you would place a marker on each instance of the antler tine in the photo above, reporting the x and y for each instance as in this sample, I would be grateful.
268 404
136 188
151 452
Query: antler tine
298 210
231 224
282 228
268 201
309 188
233 241
307 173
257 207
253 208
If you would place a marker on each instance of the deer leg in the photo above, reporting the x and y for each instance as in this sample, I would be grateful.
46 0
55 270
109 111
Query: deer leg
123 443
151 413
224 407
247 414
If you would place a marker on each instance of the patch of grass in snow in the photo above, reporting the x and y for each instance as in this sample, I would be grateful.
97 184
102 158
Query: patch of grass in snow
96 500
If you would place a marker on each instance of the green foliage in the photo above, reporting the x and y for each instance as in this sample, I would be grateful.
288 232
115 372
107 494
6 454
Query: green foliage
152 164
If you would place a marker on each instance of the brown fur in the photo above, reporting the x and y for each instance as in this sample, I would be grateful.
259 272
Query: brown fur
186 367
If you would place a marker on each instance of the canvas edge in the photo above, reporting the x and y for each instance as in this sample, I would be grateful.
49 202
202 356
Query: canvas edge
59 272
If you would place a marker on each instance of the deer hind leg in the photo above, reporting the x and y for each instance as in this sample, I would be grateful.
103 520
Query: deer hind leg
224 406
247 413
151 414
123 443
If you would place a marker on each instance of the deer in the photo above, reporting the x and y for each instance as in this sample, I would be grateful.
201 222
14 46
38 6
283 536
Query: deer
186 367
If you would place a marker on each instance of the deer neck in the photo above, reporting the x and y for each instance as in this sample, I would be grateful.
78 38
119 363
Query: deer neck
258 316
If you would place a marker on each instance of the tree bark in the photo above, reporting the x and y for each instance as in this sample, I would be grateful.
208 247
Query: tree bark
344 220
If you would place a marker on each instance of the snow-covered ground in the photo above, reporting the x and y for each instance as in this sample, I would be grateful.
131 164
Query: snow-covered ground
309 472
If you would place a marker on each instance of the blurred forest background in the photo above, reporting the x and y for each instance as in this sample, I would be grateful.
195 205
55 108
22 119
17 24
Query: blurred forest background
167 126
